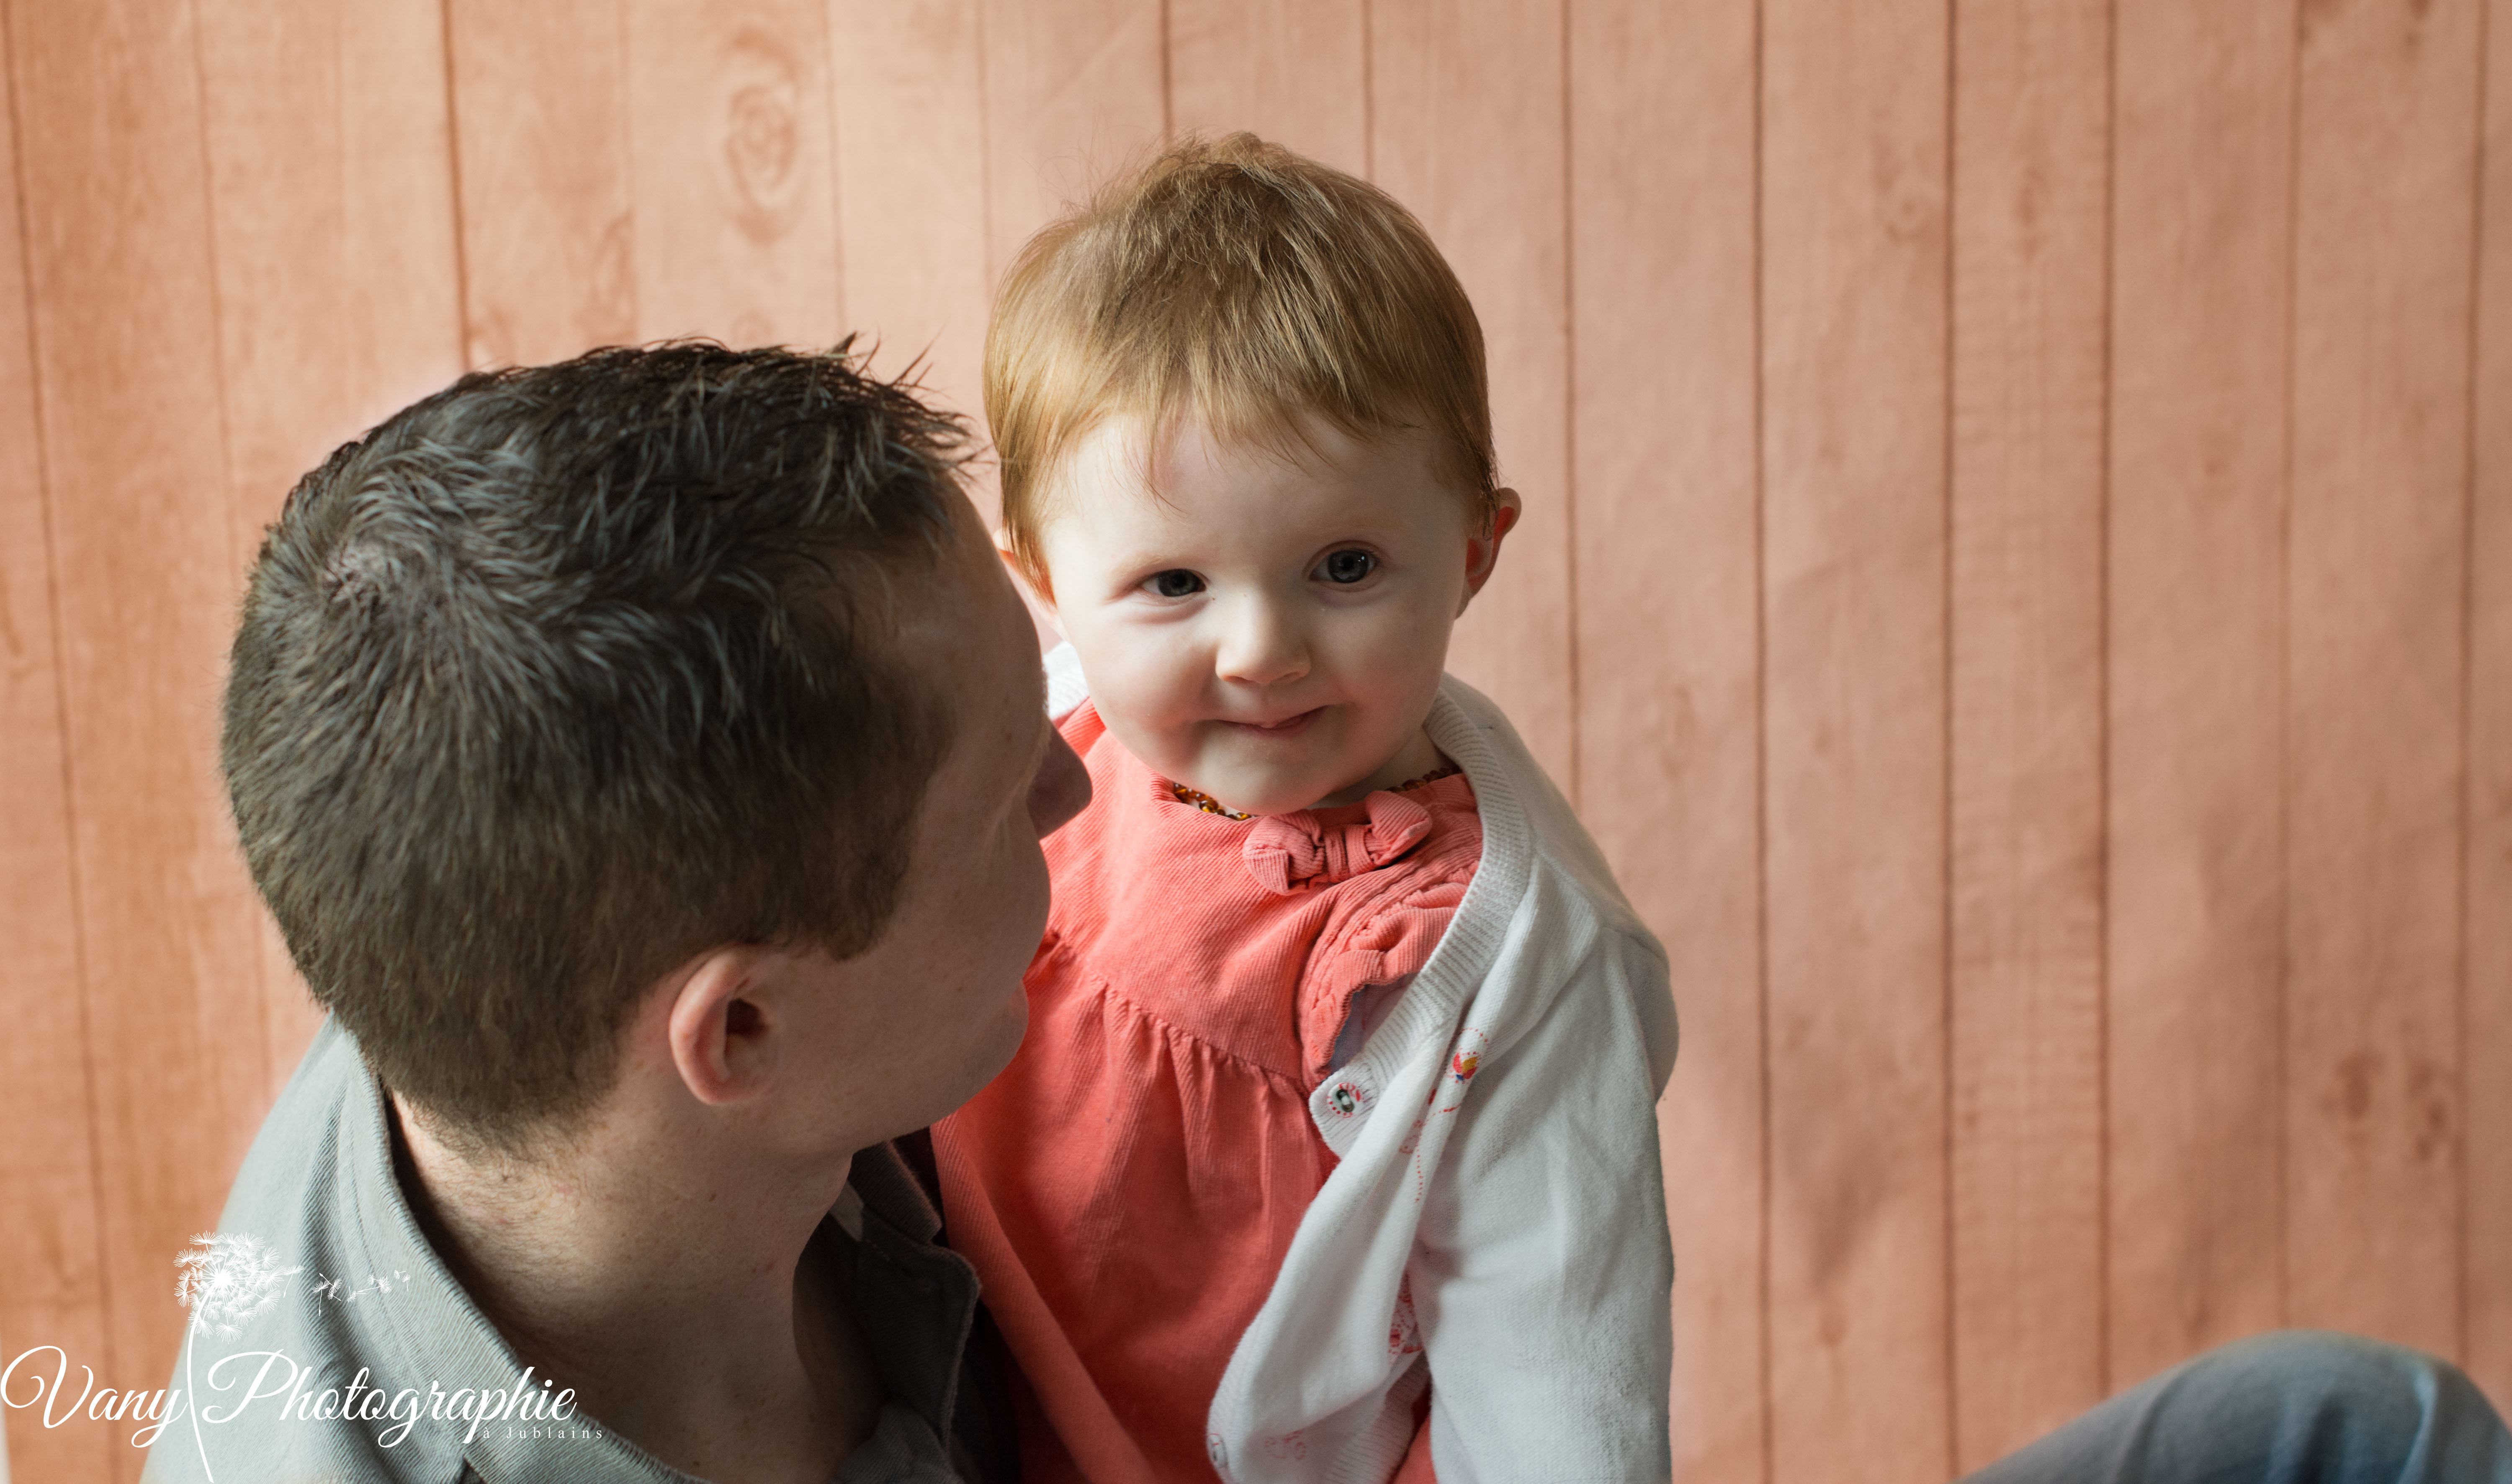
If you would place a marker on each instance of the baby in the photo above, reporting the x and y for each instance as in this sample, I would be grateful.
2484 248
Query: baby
1331 1152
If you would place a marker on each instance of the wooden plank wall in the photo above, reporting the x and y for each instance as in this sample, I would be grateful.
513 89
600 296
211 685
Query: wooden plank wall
2018 574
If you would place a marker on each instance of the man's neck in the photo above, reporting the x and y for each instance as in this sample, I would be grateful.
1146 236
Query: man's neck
685 1302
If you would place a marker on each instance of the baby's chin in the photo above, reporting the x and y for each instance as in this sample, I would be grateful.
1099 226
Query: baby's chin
1247 776
1261 789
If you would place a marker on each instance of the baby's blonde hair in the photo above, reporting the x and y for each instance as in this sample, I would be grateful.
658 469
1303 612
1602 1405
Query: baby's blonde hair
1246 286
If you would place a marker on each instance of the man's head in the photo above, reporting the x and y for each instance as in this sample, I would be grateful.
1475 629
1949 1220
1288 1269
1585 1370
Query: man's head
1246 290
567 674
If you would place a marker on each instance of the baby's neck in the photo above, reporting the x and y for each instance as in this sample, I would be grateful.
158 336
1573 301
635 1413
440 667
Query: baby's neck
1418 755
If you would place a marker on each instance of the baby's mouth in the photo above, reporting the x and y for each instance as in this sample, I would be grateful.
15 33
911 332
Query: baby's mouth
1287 726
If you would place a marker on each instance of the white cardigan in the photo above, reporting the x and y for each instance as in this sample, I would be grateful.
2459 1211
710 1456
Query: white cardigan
1509 1189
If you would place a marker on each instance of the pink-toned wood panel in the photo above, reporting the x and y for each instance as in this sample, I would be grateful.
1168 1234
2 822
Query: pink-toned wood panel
1075 91
549 234
1714 244
912 209
2196 624
1663 339
1854 424
2030 226
1467 130
327 138
53 1289
1296 71
2385 138
118 235
2485 1069
911 148
732 170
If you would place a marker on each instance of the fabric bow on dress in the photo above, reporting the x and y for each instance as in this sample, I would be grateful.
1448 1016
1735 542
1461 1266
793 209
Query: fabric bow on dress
1288 854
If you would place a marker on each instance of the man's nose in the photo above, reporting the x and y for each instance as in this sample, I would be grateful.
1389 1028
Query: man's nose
1061 789
1260 643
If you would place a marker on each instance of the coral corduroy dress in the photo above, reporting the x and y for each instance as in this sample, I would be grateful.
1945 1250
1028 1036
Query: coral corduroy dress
1127 1187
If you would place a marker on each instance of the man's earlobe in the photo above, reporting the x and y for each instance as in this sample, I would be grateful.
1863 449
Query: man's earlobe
1482 548
724 1026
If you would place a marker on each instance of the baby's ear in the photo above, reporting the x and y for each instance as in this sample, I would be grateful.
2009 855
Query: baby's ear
1482 548
1037 593
1035 586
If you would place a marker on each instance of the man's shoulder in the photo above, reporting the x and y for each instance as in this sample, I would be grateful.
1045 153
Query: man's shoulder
309 1349
296 1151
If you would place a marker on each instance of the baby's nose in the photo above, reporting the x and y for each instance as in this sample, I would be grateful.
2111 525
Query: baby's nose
1260 645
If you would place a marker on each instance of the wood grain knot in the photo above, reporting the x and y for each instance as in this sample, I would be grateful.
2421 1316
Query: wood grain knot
762 136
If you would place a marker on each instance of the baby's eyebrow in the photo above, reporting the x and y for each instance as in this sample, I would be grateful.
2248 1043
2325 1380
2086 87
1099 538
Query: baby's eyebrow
1135 567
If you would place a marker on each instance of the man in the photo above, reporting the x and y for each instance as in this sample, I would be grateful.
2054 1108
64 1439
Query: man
646 758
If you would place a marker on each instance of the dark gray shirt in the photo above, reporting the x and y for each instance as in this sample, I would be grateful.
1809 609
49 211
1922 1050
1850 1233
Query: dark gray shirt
329 1342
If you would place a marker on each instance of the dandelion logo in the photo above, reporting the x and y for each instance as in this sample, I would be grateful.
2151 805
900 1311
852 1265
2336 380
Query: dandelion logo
229 1279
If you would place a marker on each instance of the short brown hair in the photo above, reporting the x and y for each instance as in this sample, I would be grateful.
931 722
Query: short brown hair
567 673
1242 283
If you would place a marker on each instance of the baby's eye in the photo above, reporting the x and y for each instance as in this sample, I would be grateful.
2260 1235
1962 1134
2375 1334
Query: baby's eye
1349 564
1176 582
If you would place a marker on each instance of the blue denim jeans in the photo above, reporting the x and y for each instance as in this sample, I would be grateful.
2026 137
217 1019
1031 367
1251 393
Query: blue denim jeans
2294 1408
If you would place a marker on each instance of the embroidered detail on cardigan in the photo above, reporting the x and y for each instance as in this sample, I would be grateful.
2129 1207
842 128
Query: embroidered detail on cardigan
1404 1329
1463 1062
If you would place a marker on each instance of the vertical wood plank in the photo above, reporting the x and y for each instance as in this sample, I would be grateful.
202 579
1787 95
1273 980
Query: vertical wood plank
2202 189
2030 218
1665 354
51 1274
331 200
1075 91
1854 267
2487 1072
2385 138
541 157
910 102
1296 71
118 250
912 207
731 169
332 194
1468 132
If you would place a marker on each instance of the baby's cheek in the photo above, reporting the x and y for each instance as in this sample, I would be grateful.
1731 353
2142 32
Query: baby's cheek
1122 704
1154 690
1165 743
1404 657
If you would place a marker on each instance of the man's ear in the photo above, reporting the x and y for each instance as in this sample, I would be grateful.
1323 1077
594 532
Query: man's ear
726 1026
1482 548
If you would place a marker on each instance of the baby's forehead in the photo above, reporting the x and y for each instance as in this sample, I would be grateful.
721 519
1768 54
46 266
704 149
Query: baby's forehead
1127 455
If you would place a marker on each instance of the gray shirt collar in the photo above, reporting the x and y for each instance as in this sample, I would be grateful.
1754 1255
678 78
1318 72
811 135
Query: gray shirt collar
915 1302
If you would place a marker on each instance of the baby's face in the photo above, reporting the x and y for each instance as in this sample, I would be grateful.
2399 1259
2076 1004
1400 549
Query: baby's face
1269 630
